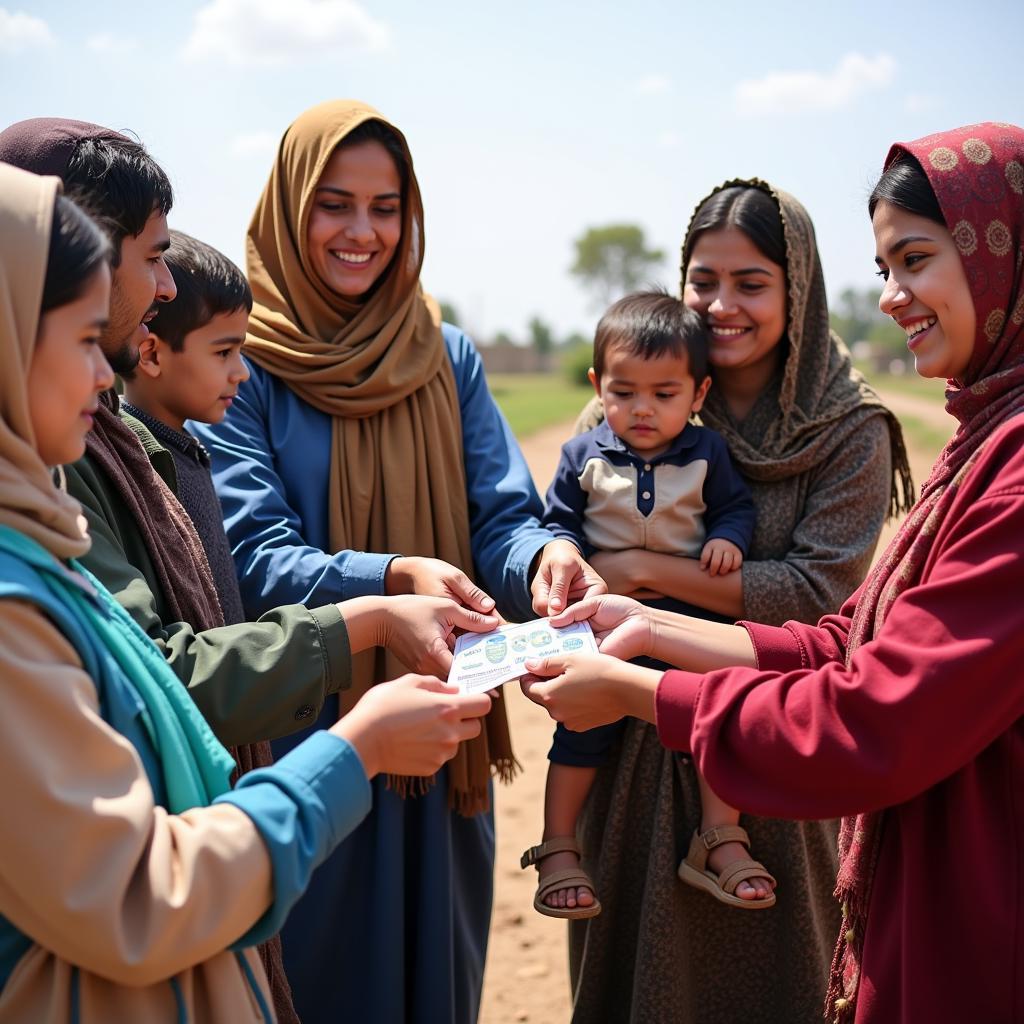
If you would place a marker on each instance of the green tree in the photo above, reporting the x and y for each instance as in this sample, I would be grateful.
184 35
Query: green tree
613 260
856 314
449 314
541 337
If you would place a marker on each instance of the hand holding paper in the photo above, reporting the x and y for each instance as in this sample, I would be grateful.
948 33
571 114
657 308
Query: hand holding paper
485 660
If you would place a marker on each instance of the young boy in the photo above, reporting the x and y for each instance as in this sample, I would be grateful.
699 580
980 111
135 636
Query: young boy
190 367
645 478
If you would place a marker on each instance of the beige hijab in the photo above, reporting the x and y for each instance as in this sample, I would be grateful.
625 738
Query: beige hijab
29 501
379 368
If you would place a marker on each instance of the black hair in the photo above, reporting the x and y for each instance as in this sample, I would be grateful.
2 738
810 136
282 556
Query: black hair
652 324
377 131
904 184
208 284
119 184
77 250
748 208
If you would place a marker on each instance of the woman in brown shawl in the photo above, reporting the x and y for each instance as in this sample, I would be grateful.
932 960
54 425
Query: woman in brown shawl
825 464
367 428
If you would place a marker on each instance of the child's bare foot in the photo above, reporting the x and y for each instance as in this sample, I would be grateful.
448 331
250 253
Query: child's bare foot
757 888
575 896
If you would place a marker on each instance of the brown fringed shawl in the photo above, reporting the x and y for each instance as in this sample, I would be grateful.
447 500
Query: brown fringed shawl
378 367
977 174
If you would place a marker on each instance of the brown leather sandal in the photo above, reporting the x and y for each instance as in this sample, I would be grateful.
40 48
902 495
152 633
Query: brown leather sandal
564 878
694 870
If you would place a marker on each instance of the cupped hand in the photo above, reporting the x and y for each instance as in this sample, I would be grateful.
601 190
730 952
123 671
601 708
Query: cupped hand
435 578
421 630
622 626
412 725
562 577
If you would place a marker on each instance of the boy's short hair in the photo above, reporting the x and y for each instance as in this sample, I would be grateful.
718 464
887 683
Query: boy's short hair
651 324
116 180
208 284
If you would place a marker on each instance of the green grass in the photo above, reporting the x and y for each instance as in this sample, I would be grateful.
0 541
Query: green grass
532 401
906 384
923 436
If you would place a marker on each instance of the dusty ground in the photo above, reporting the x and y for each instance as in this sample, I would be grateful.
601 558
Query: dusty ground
527 975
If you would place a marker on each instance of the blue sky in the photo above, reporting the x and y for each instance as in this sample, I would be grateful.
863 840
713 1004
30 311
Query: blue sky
529 122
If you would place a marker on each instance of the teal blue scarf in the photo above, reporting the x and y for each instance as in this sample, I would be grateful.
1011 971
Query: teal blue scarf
194 763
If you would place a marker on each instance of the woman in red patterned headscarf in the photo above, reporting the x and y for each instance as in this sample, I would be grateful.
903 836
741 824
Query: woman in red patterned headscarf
904 710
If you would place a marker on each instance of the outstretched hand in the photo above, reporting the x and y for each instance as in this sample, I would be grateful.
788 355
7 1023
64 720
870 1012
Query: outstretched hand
412 725
420 631
562 577
435 578
622 626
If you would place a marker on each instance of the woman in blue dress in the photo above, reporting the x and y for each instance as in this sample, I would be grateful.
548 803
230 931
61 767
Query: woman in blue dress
365 456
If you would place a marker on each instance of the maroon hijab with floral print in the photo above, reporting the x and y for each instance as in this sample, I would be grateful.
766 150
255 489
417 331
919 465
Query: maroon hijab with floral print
977 174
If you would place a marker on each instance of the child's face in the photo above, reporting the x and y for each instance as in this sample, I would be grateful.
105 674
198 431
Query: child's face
647 402
199 382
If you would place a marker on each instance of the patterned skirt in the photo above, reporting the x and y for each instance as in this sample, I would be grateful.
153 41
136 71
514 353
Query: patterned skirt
662 952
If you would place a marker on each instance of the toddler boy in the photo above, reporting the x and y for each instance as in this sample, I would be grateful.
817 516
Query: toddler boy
644 478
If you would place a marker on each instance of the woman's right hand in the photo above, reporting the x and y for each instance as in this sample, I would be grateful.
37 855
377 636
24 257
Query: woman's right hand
412 725
435 578
622 626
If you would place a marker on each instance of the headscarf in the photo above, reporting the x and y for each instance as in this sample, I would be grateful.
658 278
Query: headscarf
378 367
29 501
821 399
977 174
46 145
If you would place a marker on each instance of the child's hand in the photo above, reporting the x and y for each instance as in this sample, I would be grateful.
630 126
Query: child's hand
720 557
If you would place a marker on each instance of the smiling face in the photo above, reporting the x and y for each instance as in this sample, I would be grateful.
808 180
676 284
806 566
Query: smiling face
741 294
647 402
197 382
356 221
67 372
141 280
926 290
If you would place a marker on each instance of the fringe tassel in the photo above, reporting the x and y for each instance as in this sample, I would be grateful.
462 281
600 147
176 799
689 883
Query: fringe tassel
506 768
902 495
465 803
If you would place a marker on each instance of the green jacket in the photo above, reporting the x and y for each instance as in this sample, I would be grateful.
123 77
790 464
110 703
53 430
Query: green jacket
252 681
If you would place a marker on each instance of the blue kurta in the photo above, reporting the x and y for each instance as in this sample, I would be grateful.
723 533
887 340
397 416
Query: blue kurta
393 928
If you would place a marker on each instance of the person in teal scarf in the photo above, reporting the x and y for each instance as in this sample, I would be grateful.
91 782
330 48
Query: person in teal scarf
134 883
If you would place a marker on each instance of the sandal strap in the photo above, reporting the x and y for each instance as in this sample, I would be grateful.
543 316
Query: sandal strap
565 878
719 834
741 871
560 844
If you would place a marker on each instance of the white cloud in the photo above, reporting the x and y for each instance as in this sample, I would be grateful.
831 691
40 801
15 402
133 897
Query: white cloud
669 140
20 31
111 43
792 92
920 103
271 33
653 85
254 144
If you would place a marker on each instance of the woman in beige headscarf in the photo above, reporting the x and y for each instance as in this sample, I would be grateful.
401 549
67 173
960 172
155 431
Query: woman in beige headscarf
134 886
367 428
